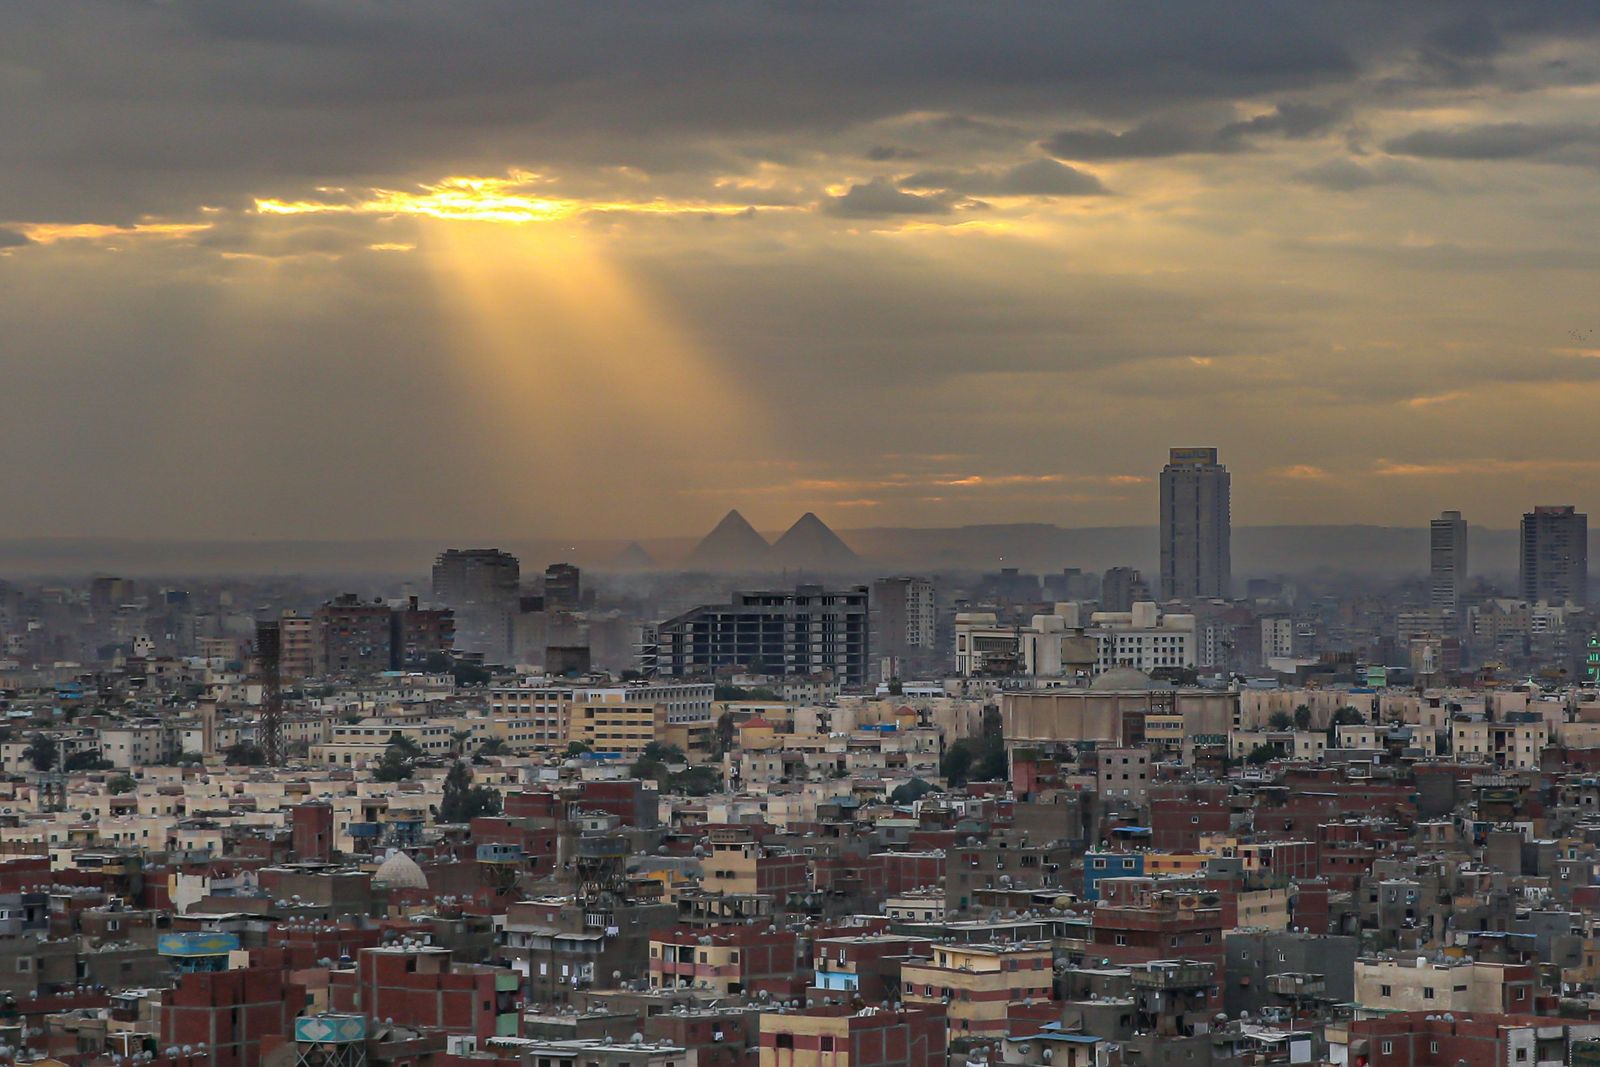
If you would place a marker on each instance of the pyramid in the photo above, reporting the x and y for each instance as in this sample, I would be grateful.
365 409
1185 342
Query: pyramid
809 545
633 558
733 546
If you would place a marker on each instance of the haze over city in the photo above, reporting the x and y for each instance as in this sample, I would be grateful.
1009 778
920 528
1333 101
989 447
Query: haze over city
776 534
334 271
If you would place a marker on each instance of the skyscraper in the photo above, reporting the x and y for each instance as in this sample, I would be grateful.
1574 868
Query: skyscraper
1555 555
901 624
1447 561
483 586
1196 554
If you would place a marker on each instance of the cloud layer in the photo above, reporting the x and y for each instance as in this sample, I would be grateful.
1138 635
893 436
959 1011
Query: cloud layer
610 269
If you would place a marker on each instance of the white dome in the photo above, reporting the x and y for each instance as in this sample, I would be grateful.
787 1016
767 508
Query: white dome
400 871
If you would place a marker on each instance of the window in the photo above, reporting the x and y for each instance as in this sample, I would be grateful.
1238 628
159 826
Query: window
786 1041
1385 991
1388 1048
1427 992
827 1044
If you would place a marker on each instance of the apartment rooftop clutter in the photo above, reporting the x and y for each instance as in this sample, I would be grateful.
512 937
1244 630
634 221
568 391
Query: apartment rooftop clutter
811 630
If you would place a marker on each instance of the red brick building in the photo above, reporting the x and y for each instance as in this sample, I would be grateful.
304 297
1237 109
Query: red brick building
1181 814
230 1012
839 1036
420 986
730 959
1137 923
1429 1039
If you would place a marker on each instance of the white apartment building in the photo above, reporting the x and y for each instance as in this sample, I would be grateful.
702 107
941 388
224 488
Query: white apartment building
1060 645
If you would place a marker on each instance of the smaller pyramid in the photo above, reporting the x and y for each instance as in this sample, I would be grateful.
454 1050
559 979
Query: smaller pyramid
809 545
633 558
733 545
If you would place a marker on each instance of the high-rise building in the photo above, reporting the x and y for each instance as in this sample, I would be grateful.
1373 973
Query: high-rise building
901 624
1555 555
563 587
483 587
1447 561
807 631
1196 554
350 636
1122 588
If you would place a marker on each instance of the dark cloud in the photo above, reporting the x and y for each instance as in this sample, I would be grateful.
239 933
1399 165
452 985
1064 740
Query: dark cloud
1037 177
12 238
880 199
316 91
1348 175
1293 121
1147 140
1495 141
884 153
1174 137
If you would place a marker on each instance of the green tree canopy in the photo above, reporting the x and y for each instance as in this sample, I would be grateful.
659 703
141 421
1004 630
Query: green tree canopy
87 760
1280 720
244 754
464 801
41 752
910 792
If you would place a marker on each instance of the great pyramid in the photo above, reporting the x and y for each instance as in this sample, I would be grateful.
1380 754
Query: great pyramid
809 545
733 545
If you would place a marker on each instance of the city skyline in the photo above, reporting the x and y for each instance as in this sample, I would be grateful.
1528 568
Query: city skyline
240 290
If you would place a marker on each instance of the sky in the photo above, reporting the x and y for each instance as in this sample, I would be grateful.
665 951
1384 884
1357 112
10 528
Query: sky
360 269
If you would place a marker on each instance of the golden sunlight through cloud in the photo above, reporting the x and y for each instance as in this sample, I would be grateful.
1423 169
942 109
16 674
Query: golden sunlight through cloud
574 373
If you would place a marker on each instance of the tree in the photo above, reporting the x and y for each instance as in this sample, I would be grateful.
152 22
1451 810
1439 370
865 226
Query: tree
458 741
722 739
910 792
464 801
975 759
244 754
577 748
647 770
395 766
656 752
87 760
408 748
122 783
1260 755
957 763
1280 720
1302 718
697 781
41 752
493 747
